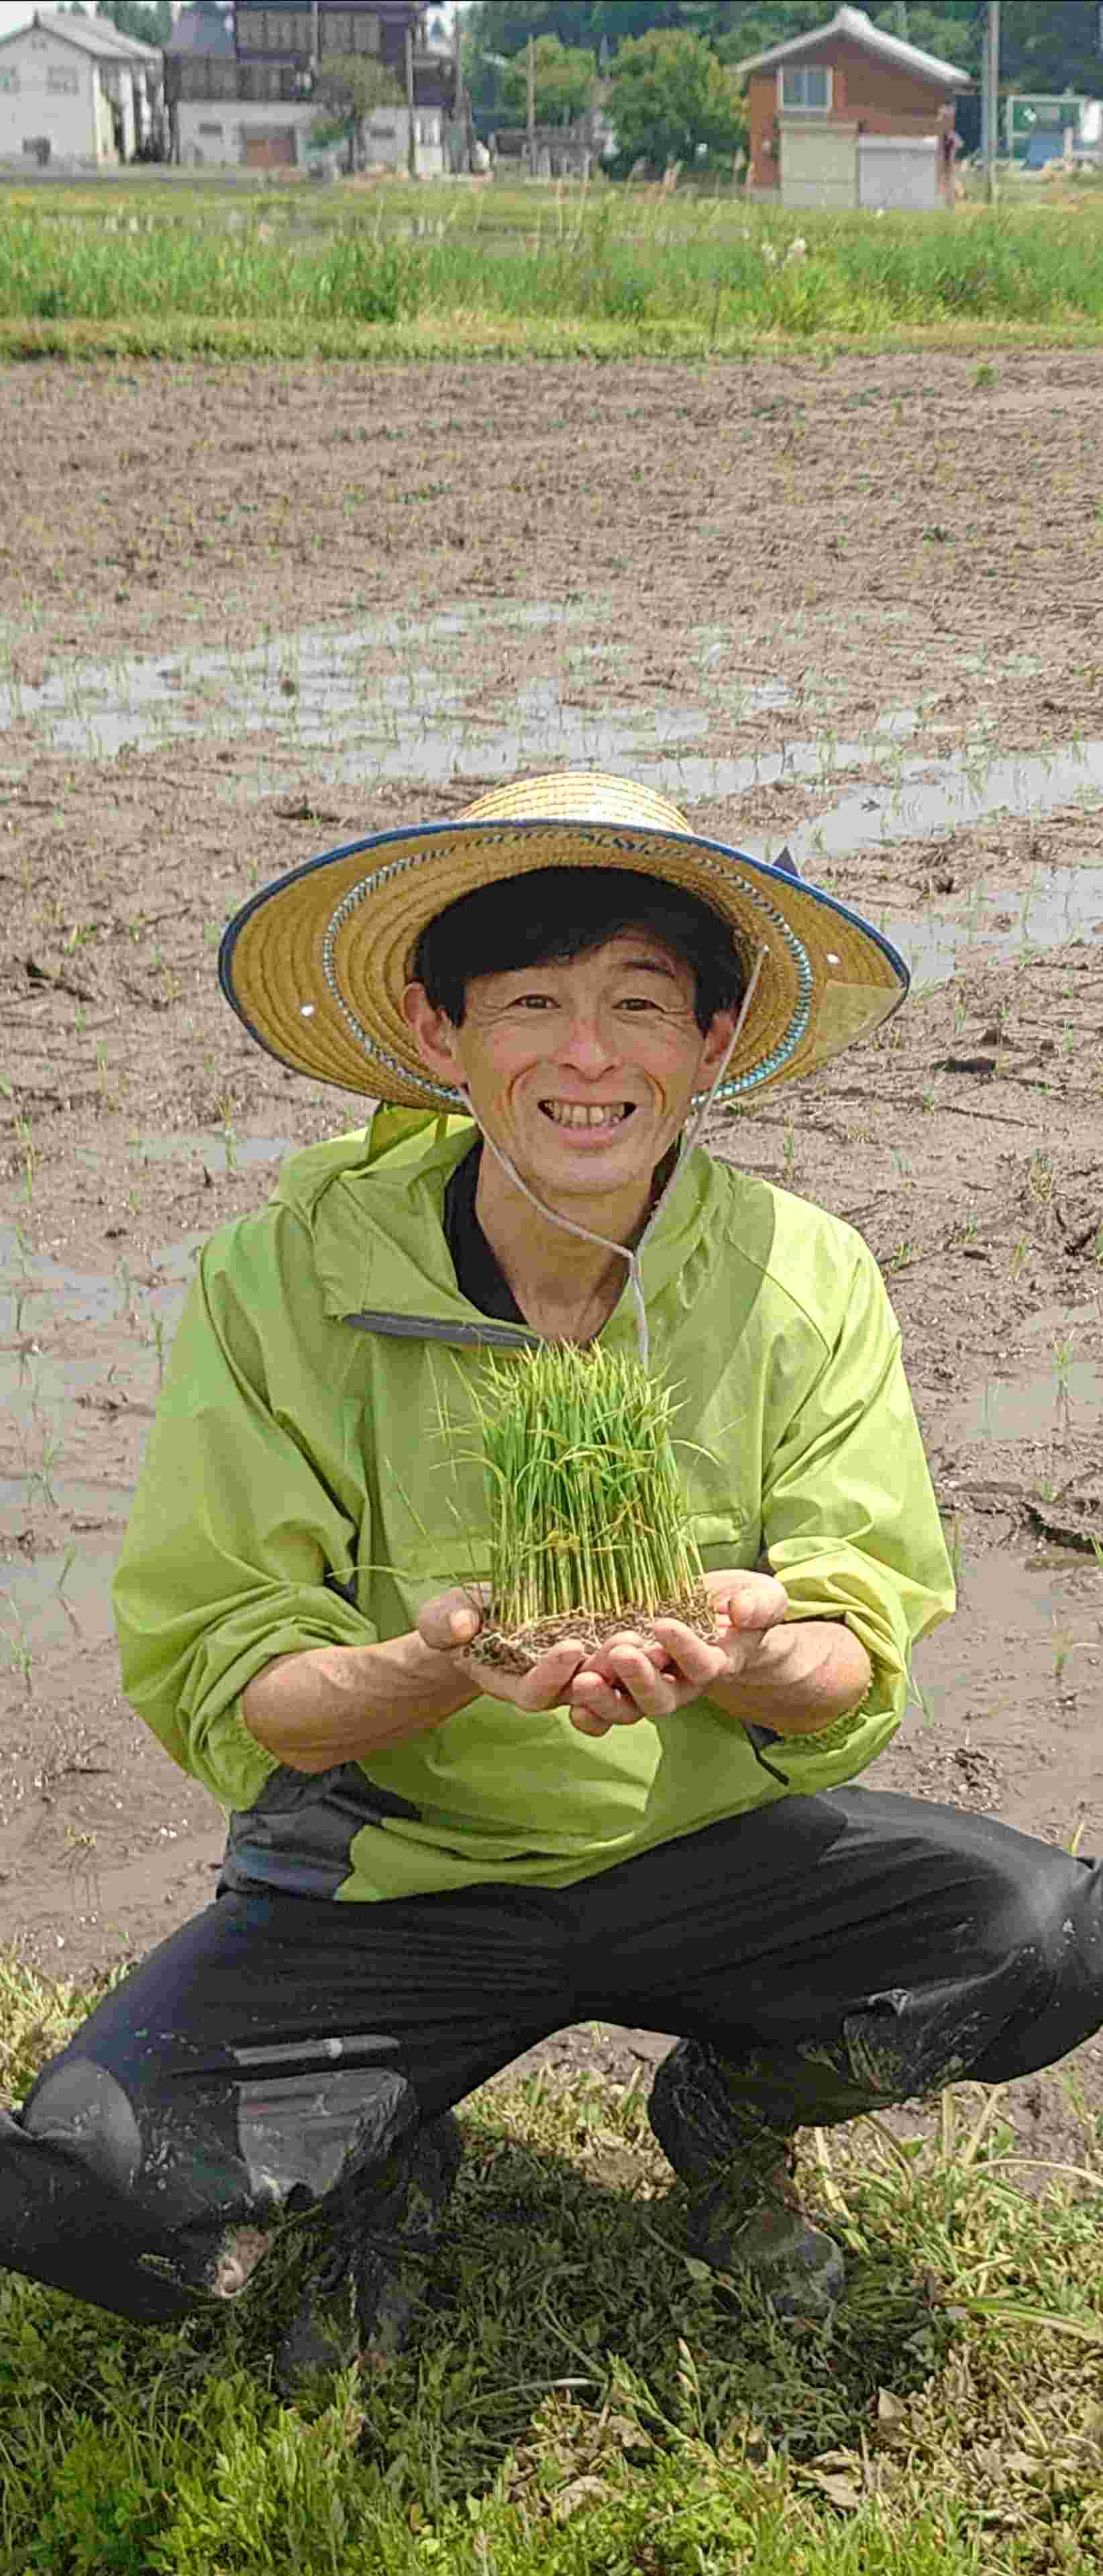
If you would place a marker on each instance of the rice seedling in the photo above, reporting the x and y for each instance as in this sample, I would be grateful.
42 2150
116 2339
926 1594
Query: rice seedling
589 1529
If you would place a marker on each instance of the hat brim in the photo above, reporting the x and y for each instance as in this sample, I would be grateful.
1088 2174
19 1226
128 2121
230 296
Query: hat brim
316 964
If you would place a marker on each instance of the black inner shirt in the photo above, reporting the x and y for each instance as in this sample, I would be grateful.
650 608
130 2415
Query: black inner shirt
479 1273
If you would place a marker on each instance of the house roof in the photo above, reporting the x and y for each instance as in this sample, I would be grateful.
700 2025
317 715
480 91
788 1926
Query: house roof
202 31
98 36
854 24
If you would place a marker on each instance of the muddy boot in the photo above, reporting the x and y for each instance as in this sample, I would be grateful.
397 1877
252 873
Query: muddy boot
359 2296
745 2215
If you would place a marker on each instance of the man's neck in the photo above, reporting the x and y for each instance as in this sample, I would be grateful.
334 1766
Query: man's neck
562 1284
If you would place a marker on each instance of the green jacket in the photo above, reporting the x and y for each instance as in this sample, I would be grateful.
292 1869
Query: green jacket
299 1489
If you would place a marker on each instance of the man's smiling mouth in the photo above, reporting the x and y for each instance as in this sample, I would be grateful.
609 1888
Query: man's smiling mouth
581 1113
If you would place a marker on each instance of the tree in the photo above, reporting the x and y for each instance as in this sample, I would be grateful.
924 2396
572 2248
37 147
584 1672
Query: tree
348 88
149 22
1051 45
564 77
951 29
671 100
504 26
1046 44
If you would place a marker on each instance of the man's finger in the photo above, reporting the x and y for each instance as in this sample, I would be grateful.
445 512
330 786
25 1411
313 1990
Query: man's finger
694 1659
451 1619
757 1605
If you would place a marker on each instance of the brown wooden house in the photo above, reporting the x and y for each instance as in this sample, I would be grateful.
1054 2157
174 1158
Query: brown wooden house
851 116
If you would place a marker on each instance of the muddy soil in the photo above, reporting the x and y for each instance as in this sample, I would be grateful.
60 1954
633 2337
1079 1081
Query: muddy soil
248 613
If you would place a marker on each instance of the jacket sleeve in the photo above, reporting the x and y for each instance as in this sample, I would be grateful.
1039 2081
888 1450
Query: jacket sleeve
850 1523
233 1533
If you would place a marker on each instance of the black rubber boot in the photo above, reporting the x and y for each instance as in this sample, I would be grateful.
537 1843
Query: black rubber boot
360 2294
745 2215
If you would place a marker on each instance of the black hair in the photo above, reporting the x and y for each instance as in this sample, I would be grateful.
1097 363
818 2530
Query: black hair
552 915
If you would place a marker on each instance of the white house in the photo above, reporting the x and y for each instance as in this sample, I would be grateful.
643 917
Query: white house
239 82
75 91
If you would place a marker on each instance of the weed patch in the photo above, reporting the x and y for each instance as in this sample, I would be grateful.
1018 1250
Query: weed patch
582 2396
599 271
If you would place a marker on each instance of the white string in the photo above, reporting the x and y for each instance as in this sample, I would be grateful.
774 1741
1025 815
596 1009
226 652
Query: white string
688 1141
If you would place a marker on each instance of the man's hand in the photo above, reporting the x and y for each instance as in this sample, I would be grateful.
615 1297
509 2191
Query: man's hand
450 1621
795 1677
633 1677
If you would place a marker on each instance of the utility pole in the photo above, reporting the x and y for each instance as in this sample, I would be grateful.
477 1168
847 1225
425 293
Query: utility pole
411 148
530 86
989 105
460 112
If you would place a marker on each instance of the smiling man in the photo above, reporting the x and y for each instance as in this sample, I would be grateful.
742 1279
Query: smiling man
432 1864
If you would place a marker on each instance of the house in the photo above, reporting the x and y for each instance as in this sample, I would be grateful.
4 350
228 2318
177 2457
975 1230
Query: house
74 91
1043 127
851 116
239 80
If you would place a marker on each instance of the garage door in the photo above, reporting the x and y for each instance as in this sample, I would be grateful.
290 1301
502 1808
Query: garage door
817 164
898 170
275 151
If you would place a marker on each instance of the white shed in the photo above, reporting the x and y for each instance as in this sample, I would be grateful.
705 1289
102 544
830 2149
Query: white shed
75 91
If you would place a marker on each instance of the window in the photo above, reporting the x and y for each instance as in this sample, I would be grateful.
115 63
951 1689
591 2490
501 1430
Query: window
61 81
9 78
807 86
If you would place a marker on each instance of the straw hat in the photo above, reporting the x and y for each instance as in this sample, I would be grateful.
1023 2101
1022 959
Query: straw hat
316 964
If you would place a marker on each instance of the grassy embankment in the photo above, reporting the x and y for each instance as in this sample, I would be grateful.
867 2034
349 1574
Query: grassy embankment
585 2401
172 266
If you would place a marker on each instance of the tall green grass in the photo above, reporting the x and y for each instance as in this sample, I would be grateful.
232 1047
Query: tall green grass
633 270
50 271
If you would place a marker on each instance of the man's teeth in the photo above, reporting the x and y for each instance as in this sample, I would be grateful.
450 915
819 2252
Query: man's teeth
577 1113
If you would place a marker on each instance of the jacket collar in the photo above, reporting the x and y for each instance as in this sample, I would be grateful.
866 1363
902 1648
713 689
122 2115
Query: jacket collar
373 1205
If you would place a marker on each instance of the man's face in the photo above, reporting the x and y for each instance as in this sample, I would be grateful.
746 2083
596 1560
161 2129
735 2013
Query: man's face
583 1071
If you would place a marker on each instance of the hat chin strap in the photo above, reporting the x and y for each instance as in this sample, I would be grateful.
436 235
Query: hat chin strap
688 1140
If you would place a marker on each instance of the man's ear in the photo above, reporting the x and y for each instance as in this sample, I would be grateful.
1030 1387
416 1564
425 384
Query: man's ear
718 1038
434 1035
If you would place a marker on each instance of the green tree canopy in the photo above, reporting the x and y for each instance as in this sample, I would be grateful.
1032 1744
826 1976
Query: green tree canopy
670 100
503 26
149 22
953 29
347 90
1045 44
563 80
1051 45
943 27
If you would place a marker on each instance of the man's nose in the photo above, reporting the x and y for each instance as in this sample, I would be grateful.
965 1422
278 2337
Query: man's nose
589 1044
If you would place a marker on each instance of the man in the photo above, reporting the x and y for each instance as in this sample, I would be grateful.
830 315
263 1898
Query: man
431 1864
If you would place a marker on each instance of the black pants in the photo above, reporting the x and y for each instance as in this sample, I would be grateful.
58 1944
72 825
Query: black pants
276 2057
